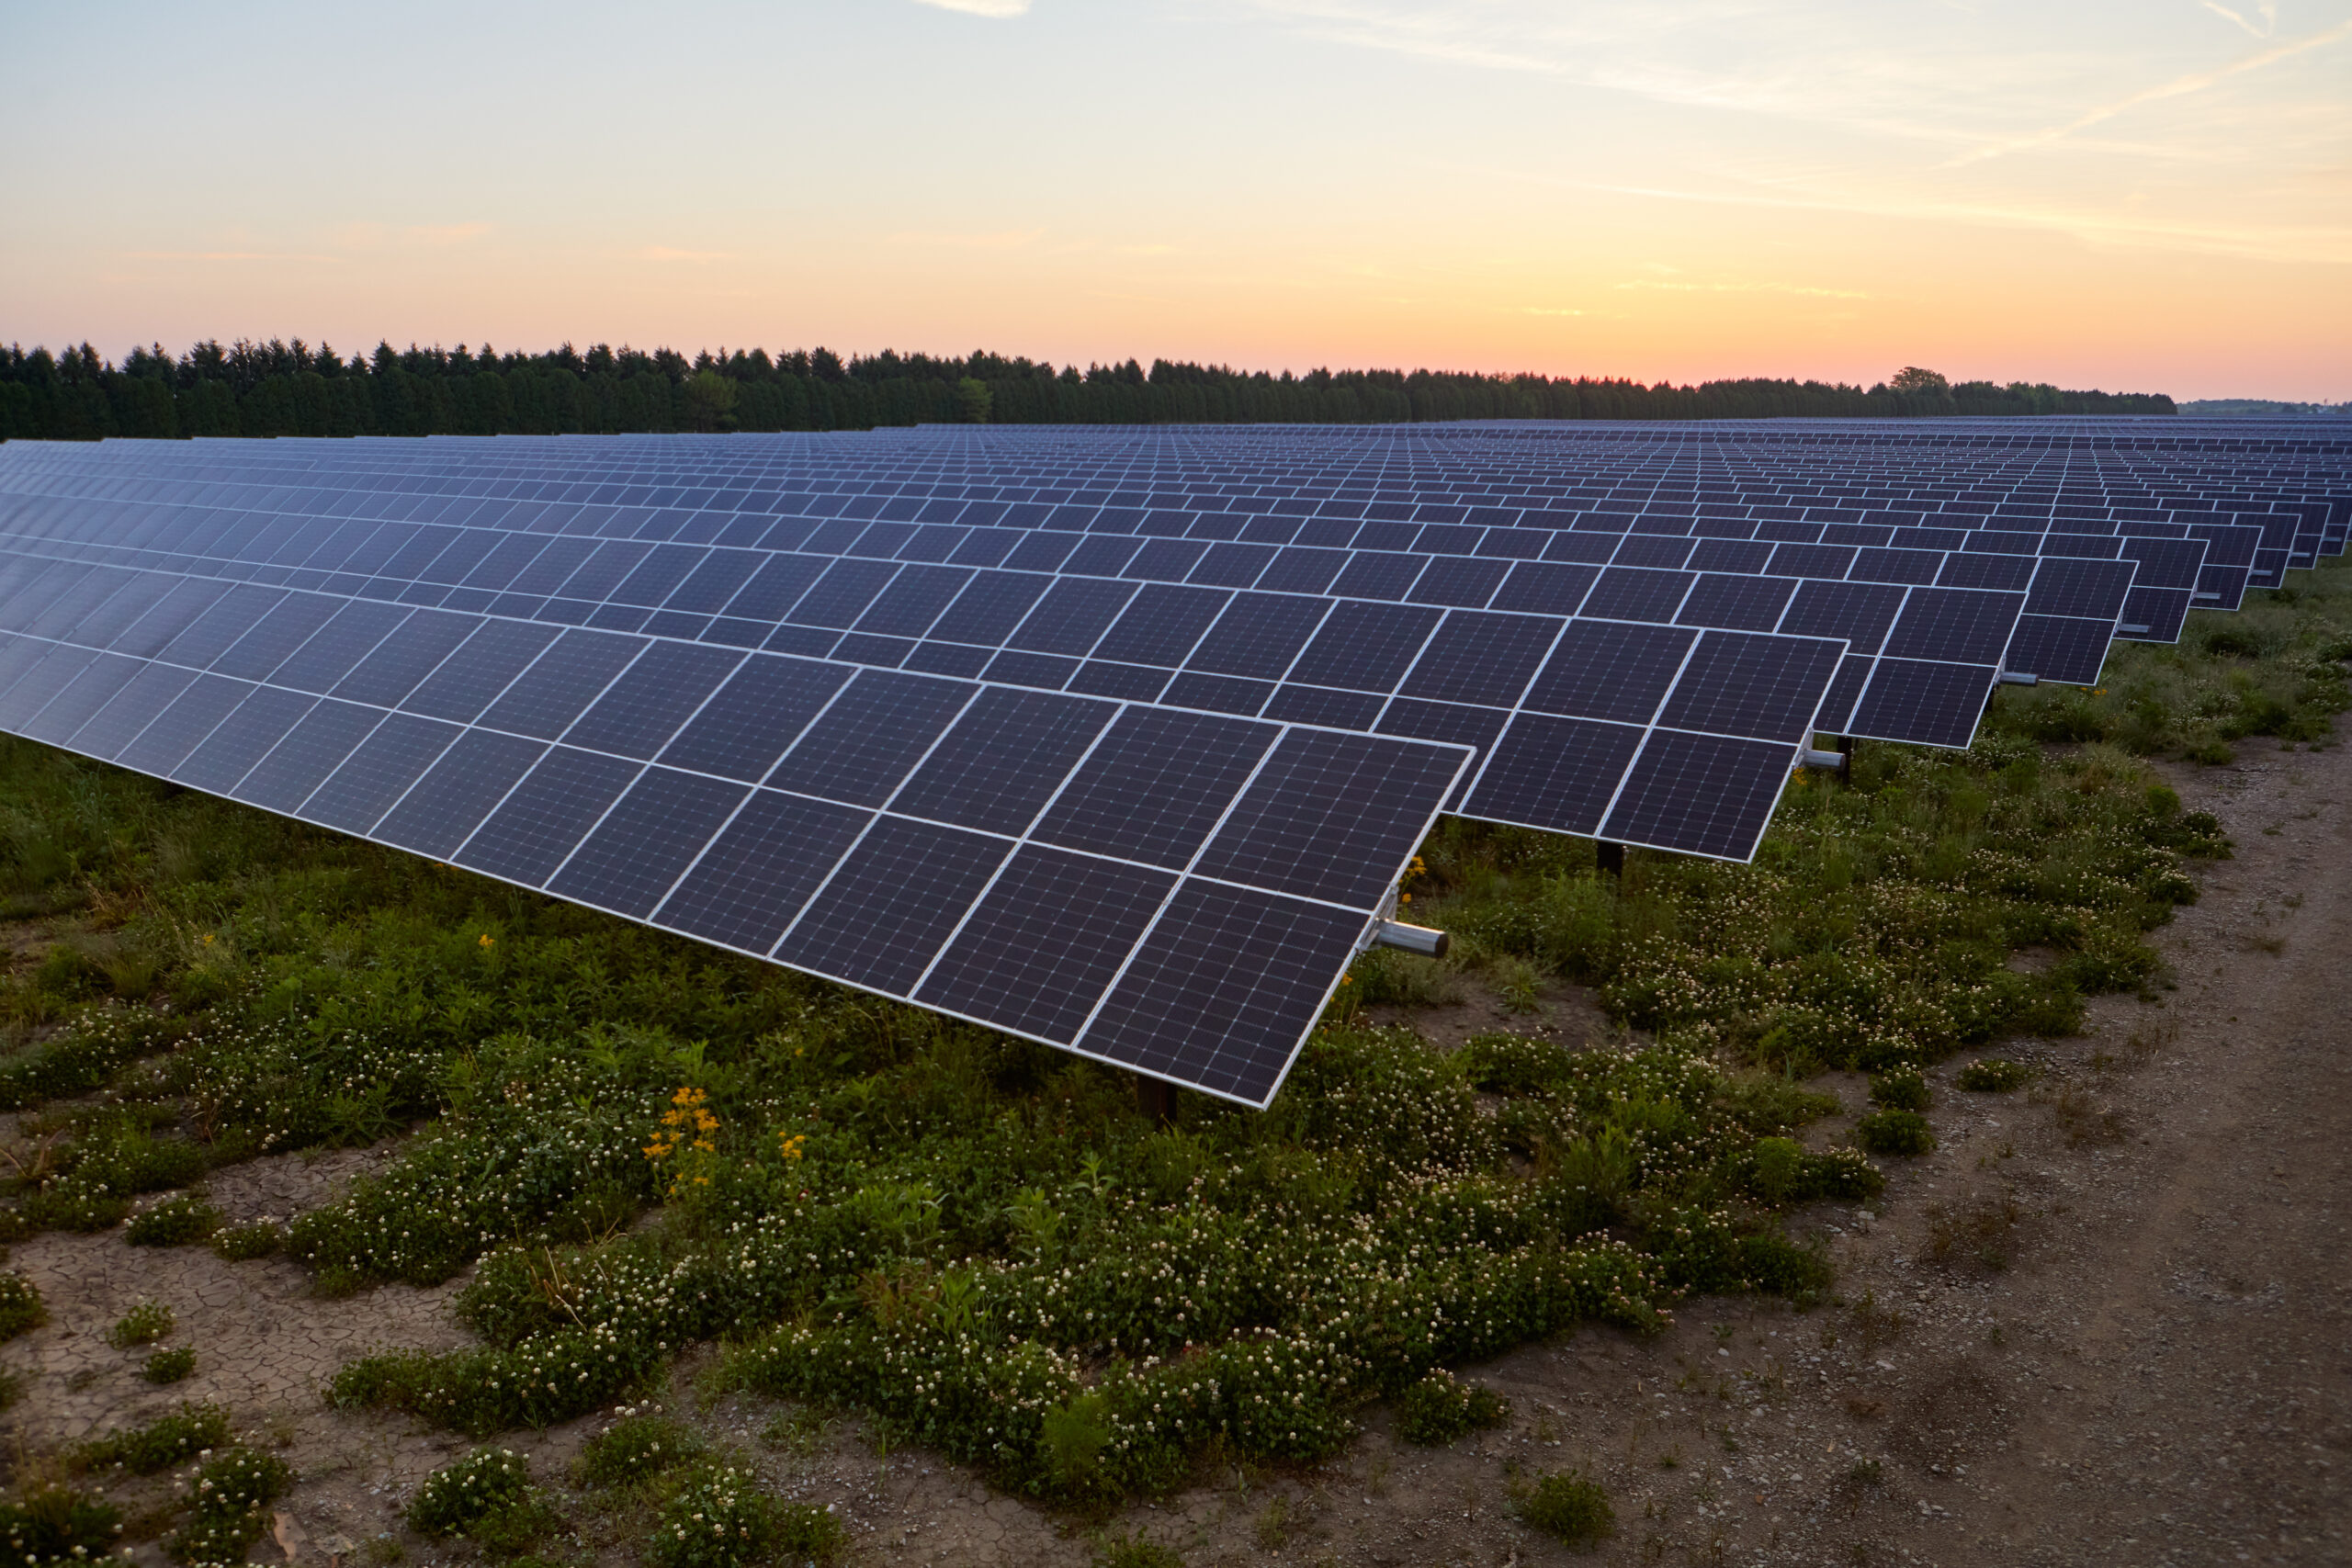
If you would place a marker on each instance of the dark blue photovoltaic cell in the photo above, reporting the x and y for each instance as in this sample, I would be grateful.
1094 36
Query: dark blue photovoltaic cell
1558 773
337 647
991 606
1161 625
1547 588
551 810
1222 971
1737 604
1954 625
647 841
208 636
130 711
757 874
1155 785
1074 612
1936 701
1706 792
394 667
865 744
1044 943
441 811
1601 669
749 721
545 699
1476 657
1743 684
1629 594
265 646
312 749
1003 760
164 744
1861 613
78 701
1258 635
893 903
1365 646
2062 649
653 699
469 680
1322 791
241 739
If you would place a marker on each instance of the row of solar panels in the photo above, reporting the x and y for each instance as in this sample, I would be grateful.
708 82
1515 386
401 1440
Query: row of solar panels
1138 794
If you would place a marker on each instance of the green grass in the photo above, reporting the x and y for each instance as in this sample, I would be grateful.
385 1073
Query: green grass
1570 1508
979 1243
161 1443
1442 1408
142 1325
2273 668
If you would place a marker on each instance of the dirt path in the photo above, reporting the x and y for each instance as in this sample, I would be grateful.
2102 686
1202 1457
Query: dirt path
2109 1320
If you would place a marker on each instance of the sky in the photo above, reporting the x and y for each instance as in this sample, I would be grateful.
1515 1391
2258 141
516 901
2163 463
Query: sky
2136 194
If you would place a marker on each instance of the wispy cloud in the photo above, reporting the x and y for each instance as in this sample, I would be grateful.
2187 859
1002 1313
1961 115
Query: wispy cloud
2267 12
1000 9
2179 87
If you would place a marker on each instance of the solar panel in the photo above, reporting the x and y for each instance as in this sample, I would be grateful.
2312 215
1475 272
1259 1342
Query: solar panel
1113 739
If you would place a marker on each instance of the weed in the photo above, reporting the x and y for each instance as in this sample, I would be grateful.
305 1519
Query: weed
54 1526
1895 1133
1899 1089
168 1366
1866 1472
20 1306
161 1443
1126 1551
175 1221
1980 1232
143 1325
1569 1508
719 1517
459 1495
227 1501
2085 1123
238 1244
1994 1075
800 1432
634 1449
1271 1527
1442 1408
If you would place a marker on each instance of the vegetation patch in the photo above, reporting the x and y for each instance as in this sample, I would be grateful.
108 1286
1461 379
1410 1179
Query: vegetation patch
1895 1133
161 1443
1442 1408
1994 1075
168 1366
1569 1507
228 1501
458 1497
50 1526
175 1221
20 1306
142 1325
640 1144
636 1449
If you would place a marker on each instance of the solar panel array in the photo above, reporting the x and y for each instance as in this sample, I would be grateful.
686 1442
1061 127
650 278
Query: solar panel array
1117 738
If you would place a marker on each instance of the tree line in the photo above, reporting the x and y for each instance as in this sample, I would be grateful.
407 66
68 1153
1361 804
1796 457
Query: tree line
283 388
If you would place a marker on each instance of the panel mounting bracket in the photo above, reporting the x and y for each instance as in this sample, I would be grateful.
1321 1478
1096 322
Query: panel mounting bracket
1388 931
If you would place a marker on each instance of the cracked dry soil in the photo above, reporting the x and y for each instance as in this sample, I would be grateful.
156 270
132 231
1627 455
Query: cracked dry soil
2107 1321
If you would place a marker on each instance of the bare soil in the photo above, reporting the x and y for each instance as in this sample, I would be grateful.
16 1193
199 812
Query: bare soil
2109 1320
